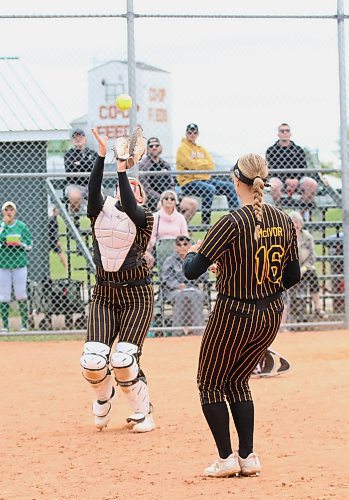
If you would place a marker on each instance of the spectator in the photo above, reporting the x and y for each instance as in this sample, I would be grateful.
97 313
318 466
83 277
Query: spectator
286 154
168 224
307 259
53 234
15 242
191 156
78 159
185 295
154 185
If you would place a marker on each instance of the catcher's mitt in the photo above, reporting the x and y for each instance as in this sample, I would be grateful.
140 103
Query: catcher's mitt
131 148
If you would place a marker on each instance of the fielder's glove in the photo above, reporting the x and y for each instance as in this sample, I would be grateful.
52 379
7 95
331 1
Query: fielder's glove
131 148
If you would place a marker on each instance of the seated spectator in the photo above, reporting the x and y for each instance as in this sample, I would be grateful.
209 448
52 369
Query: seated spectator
168 224
307 259
191 156
185 295
154 185
53 234
286 154
78 159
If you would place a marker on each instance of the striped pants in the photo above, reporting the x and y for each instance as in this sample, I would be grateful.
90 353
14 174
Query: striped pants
120 312
236 337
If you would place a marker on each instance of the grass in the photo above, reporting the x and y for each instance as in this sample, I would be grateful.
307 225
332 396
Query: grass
40 338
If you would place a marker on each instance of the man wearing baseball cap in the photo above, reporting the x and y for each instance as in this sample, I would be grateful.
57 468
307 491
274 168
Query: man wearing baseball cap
15 242
155 185
186 296
79 159
191 156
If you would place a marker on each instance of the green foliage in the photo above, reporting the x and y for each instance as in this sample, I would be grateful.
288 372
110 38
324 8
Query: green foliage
58 147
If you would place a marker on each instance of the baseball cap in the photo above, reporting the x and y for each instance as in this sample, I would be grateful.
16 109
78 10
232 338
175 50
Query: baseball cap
9 204
153 140
192 126
77 131
182 237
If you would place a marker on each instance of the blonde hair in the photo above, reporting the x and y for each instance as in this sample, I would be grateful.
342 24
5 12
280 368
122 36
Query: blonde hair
255 167
169 192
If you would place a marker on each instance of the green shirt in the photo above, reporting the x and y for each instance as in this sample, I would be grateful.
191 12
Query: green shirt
15 242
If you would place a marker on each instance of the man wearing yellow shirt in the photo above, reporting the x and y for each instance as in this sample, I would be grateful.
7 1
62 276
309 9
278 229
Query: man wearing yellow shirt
191 156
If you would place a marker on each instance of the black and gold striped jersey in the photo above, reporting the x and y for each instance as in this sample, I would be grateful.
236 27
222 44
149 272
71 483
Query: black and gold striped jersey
246 268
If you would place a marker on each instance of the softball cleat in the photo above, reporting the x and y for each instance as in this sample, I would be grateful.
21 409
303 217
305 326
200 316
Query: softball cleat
146 425
250 466
224 467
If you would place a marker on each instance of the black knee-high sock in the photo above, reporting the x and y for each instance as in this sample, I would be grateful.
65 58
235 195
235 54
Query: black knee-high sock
243 415
217 417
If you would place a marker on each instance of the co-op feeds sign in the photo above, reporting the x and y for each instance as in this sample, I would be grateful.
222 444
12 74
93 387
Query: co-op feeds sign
153 101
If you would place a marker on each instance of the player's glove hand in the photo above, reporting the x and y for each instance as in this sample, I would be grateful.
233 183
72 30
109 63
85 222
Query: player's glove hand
131 149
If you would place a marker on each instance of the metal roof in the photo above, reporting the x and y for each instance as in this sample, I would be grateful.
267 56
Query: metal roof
26 113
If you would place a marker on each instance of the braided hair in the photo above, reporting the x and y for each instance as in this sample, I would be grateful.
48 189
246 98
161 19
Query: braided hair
255 169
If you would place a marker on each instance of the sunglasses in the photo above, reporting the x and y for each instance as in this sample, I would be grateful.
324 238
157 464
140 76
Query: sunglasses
151 146
284 130
192 132
182 244
169 198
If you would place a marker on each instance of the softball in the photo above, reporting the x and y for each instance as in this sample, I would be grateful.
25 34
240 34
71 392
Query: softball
123 102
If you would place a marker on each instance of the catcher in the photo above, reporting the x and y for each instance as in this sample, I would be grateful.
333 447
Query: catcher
122 302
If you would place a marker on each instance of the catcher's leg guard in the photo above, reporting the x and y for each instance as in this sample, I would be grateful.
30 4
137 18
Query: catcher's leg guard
94 363
133 384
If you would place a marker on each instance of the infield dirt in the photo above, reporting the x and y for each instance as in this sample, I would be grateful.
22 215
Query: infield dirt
51 450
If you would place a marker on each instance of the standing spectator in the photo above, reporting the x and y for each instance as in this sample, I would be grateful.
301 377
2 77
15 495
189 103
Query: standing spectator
78 159
168 224
15 242
186 296
191 156
307 259
53 234
286 154
154 185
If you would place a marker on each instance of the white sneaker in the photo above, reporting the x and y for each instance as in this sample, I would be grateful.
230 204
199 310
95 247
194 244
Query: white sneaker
147 424
224 467
101 411
250 466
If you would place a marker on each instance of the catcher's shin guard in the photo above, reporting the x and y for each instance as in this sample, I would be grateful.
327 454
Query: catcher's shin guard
130 149
94 363
131 379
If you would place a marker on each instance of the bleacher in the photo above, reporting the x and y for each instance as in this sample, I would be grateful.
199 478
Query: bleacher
326 232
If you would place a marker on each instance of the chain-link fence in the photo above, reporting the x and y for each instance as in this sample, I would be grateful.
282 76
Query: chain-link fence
201 104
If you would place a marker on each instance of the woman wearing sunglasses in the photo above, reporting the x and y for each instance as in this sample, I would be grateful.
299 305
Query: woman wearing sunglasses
123 298
168 224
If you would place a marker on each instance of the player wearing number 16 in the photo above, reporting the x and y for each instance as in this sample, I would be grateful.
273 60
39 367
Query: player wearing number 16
255 252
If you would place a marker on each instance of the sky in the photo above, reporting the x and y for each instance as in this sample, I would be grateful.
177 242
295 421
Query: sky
238 79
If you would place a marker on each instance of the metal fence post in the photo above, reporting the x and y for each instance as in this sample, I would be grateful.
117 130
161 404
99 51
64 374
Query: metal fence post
344 151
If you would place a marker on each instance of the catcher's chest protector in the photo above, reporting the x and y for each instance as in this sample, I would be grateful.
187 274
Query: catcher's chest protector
115 233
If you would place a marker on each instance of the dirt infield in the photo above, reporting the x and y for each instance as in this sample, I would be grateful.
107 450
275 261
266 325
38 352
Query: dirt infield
50 449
